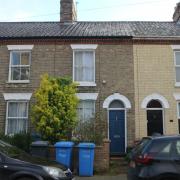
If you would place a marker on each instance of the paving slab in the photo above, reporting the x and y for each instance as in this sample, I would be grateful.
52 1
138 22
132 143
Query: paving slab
118 177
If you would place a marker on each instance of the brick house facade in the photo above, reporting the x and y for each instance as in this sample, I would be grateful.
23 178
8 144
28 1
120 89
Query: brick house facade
119 66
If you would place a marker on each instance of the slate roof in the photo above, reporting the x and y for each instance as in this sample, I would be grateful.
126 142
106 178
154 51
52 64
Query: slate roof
89 29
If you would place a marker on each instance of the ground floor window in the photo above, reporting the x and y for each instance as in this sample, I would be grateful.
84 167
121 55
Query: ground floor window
85 129
86 110
178 110
16 117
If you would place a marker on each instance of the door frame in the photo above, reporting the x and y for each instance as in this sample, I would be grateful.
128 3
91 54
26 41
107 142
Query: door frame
125 122
163 116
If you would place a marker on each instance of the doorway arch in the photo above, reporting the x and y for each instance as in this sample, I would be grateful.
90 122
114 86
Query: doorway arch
155 118
155 105
117 106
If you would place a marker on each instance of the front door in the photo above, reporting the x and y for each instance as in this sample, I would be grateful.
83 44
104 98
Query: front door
154 121
117 131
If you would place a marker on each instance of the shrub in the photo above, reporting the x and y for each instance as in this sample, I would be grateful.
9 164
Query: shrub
54 112
20 140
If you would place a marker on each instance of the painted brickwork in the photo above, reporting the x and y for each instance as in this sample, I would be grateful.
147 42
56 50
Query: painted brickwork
155 73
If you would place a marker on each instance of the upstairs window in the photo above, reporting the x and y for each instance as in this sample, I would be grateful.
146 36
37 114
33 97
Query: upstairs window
177 66
84 64
19 68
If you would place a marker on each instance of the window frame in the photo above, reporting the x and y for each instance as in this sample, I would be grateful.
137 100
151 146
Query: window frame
94 107
177 84
85 83
10 66
7 118
84 47
178 111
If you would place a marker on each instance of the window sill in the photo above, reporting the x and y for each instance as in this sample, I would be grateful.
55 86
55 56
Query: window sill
18 82
86 84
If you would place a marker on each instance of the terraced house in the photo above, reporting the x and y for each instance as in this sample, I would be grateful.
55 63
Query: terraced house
128 72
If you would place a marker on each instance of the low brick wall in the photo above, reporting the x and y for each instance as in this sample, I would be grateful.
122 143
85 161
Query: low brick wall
101 159
102 156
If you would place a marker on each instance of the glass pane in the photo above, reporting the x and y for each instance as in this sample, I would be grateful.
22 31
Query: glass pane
161 149
88 74
15 73
177 54
78 66
16 126
80 111
116 104
84 66
78 74
17 109
15 58
88 59
88 65
12 109
179 109
86 110
177 74
25 58
22 109
154 104
78 58
24 73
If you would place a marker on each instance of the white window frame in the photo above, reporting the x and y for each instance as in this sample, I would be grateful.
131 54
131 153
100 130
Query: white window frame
177 84
20 47
178 112
7 109
10 66
177 98
94 103
82 48
88 97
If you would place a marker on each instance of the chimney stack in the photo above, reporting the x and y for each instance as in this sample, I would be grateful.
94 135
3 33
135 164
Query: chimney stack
176 15
68 12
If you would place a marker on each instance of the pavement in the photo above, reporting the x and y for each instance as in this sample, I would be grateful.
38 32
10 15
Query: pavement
118 177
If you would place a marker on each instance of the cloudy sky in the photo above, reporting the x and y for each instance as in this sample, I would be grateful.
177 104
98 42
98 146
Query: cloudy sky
89 10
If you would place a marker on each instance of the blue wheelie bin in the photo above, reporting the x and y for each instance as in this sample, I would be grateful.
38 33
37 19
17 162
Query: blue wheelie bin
64 153
86 159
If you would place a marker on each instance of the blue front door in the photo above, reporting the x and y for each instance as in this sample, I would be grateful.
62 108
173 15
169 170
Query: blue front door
117 131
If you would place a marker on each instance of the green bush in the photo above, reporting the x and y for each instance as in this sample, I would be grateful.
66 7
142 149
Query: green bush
54 112
21 140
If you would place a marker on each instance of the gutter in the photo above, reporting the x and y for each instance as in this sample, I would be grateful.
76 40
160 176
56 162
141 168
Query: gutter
161 38
67 37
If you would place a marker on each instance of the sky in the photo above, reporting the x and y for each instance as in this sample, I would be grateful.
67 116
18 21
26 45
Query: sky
89 10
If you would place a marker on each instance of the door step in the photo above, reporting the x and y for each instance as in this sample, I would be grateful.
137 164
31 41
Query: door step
118 164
